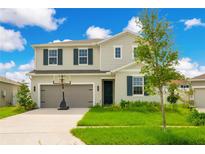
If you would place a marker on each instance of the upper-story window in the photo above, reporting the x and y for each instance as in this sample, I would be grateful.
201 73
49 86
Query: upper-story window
138 85
83 56
133 51
53 57
117 52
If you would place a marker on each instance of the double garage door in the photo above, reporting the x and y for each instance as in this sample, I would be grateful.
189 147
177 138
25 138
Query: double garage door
199 97
76 96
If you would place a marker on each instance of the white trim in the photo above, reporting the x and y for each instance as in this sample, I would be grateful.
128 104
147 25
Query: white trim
74 74
107 78
35 61
196 79
100 57
133 55
123 32
63 45
139 86
198 87
72 83
114 55
122 67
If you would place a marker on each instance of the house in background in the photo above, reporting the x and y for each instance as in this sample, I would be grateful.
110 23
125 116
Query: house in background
8 91
198 85
100 71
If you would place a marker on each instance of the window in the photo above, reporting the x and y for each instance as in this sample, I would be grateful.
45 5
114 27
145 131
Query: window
133 52
138 85
52 57
83 56
118 54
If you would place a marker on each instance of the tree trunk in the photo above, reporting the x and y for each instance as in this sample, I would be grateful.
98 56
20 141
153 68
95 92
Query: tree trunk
162 108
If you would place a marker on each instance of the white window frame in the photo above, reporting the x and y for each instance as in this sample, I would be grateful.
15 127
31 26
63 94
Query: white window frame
133 55
138 85
117 46
53 57
82 56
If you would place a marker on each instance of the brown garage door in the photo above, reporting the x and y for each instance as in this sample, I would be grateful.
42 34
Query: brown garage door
199 97
76 96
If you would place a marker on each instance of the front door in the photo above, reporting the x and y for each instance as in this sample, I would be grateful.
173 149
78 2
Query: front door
108 92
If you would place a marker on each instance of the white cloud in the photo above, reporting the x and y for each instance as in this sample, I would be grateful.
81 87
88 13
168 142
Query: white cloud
57 41
134 25
11 40
40 17
189 68
18 76
27 67
7 66
189 23
94 32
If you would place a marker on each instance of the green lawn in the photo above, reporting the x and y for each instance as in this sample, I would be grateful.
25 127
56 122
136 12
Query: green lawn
141 135
105 117
9 111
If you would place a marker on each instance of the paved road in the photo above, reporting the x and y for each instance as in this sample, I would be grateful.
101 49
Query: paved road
41 126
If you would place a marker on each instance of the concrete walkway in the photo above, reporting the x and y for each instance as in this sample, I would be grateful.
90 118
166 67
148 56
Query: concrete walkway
41 126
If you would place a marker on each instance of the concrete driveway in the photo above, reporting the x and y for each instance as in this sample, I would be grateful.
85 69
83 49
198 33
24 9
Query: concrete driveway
41 126
201 109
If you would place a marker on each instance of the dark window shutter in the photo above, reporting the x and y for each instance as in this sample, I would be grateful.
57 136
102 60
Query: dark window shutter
75 56
145 86
45 56
90 56
60 56
129 85
135 53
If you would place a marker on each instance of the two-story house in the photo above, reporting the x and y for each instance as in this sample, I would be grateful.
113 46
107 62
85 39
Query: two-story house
99 71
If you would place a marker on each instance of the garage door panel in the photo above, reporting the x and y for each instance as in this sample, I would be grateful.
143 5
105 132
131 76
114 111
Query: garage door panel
199 97
76 96
79 95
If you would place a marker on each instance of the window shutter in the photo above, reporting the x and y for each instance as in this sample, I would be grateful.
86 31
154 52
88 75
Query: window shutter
145 86
129 85
45 56
135 54
75 56
60 56
90 56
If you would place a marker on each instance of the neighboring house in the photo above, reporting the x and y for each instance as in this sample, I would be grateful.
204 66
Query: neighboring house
198 85
183 88
100 71
8 91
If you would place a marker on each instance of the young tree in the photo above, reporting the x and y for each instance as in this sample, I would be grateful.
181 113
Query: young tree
155 52
24 97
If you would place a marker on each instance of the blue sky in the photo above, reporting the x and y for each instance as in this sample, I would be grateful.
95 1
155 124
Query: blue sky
60 24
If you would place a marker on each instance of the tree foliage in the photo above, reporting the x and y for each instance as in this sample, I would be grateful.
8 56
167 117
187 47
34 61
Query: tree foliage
24 97
173 94
155 52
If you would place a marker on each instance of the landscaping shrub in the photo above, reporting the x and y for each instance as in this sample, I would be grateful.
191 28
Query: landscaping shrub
140 106
24 98
196 118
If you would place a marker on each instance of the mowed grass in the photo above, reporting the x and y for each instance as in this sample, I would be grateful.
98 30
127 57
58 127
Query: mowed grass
141 136
105 117
7 111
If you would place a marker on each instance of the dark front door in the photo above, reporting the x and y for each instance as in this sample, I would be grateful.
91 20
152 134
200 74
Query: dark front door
108 92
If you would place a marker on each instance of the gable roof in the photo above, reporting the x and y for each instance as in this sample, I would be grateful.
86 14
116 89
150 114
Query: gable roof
119 34
5 80
70 43
200 77
88 42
